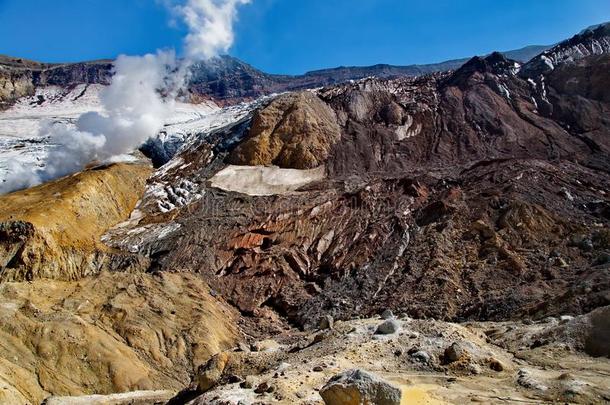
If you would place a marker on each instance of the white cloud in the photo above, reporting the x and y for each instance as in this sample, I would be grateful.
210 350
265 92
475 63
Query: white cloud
210 24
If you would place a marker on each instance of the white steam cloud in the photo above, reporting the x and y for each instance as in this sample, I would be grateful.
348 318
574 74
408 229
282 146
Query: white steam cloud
133 107
210 26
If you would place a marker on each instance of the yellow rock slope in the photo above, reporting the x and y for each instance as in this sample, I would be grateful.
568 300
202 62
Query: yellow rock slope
53 230
114 332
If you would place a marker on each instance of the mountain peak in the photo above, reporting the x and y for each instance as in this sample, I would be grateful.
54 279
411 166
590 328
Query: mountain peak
495 63
594 40
603 26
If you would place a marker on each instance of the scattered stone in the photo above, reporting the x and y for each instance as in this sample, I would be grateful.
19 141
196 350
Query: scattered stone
264 387
243 347
561 262
210 373
566 193
248 383
327 322
525 379
454 353
283 367
387 314
388 327
496 365
538 343
234 379
421 356
602 258
483 229
319 337
268 345
582 242
318 369
356 387
474 369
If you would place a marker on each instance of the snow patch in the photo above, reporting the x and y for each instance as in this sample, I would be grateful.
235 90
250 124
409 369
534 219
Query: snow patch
262 180
548 62
504 90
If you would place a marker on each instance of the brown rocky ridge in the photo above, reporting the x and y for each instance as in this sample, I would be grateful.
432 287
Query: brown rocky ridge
434 184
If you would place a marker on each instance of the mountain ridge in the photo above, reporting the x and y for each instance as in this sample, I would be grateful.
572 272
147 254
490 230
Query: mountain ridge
224 79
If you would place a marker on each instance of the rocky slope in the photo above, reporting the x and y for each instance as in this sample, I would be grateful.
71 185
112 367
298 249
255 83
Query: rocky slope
81 318
427 362
114 332
20 77
53 230
433 184
592 41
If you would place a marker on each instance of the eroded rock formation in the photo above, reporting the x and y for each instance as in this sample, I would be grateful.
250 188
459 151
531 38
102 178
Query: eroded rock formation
53 230
479 194
111 333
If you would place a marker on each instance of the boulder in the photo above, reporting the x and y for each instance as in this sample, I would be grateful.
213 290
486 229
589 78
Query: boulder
454 353
421 356
327 322
357 387
267 345
496 365
388 327
210 373
597 343
264 387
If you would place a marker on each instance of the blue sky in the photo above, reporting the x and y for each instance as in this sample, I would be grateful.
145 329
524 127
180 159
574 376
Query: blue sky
294 36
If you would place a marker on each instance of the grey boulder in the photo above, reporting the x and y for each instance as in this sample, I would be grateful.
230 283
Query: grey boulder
357 387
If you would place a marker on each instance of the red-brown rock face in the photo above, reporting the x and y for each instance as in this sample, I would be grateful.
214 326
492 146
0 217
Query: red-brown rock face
479 194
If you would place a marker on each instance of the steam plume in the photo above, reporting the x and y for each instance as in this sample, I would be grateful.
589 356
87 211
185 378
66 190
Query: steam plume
133 109
210 24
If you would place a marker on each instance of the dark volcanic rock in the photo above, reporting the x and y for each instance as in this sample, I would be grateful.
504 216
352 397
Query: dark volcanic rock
449 196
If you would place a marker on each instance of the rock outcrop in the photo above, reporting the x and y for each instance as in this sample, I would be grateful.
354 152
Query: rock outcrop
592 41
20 77
54 230
111 333
296 131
